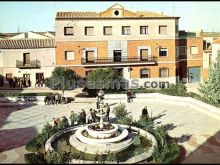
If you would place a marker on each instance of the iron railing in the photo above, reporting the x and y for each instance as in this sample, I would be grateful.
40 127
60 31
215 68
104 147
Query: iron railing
29 64
118 60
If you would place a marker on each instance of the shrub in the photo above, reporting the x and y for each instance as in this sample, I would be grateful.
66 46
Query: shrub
121 114
145 122
167 151
166 154
111 157
61 78
178 89
32 158
39 141
54 158
101 78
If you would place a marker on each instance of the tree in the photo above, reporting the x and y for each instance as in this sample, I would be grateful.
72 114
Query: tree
101 78
61 79
211 88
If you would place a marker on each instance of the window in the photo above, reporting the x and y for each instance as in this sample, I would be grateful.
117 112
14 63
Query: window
164 72
126 30
162 29
194 50
144 30
145 73
116 12
69 55
89 56
163 52
89 31
182 50
68 31
144 54
107 30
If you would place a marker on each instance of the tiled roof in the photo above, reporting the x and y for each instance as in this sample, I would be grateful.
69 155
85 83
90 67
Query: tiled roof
27 44
149 14
210 34
99 15
76 14
9 34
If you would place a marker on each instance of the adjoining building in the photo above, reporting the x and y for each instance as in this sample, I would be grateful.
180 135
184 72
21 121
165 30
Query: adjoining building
33 59
139 45
190 58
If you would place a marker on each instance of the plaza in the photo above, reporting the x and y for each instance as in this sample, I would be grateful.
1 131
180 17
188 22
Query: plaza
197 130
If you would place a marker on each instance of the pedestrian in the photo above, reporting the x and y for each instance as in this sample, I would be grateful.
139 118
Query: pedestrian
83 116
73 118
107 111
145 112
94 117
55 122
29 82
89 117
97 102
128 96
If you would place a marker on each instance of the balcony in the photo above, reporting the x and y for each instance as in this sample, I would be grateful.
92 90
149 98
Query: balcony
120 61
29 65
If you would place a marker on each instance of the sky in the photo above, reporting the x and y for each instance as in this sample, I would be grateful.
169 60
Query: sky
40 16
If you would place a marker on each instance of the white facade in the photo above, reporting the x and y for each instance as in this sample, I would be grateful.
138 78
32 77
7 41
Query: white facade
215 51
8 58
32 35
79 29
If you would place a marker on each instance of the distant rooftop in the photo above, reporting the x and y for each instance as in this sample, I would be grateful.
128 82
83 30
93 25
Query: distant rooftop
27 43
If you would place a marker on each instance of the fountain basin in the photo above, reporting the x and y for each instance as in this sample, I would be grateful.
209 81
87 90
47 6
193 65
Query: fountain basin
87 140
101 134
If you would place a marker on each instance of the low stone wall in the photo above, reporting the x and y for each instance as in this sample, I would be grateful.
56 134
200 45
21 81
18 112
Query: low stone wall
174 100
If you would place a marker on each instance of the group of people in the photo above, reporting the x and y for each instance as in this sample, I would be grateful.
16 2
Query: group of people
90 116
19 82
54 98
82 117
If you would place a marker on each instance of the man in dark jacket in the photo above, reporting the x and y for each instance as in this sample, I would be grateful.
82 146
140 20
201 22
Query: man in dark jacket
145 112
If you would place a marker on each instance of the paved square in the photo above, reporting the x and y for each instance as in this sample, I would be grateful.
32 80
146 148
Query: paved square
198 132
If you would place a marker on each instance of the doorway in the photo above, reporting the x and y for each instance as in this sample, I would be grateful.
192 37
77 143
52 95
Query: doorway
194 74
26 58
117 55
27 81
39 79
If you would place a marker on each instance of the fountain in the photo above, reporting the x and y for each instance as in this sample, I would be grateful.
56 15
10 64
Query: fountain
102 137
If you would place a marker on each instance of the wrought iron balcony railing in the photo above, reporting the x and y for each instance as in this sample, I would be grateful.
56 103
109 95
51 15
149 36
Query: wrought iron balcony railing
27 65
118 60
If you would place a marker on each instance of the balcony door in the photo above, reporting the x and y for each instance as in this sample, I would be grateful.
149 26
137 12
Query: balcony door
117 55
144 54
89 56
26 58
